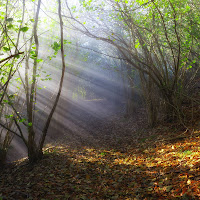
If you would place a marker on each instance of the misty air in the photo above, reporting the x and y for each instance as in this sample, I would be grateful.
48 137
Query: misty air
99 99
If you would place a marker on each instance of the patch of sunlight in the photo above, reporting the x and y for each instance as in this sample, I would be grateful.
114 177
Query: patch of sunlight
187 153
90 159
18 162
126 161
89 150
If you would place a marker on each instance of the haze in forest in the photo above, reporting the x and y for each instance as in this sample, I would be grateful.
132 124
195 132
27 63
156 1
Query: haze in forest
68 66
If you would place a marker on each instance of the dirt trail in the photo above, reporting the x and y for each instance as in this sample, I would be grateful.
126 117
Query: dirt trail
75 123
93 121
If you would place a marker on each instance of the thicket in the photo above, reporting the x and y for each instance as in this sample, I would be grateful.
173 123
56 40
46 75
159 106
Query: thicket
159 40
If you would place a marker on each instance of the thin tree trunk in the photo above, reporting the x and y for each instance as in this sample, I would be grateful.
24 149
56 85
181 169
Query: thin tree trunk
33 153
61 81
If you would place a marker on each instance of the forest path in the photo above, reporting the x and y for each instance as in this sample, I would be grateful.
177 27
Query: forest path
95 120
100 124
95 123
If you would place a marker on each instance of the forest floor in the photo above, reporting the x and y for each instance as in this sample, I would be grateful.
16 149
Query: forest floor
124 162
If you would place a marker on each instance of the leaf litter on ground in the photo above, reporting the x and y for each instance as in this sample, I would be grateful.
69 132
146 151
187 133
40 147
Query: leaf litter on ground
154 168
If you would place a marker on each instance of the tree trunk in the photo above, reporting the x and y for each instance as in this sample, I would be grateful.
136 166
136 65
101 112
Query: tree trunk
2 157
130 104
34 154
151 112
173 110
149 95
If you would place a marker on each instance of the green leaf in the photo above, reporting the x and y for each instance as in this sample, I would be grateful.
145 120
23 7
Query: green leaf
39 60
6 48
11 96
30 124
8 116
24 29
56 46
10 26
22 120
9 19
137 45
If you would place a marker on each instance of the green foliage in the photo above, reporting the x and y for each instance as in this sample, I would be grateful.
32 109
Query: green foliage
30 124
47 77
56 46
67 42
73 8
33 54
24 29
6 48
9 116
9 19
22 120
39 60
137 45
159 38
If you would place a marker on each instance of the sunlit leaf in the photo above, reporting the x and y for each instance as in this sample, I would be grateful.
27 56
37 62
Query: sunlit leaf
24 29
6 48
